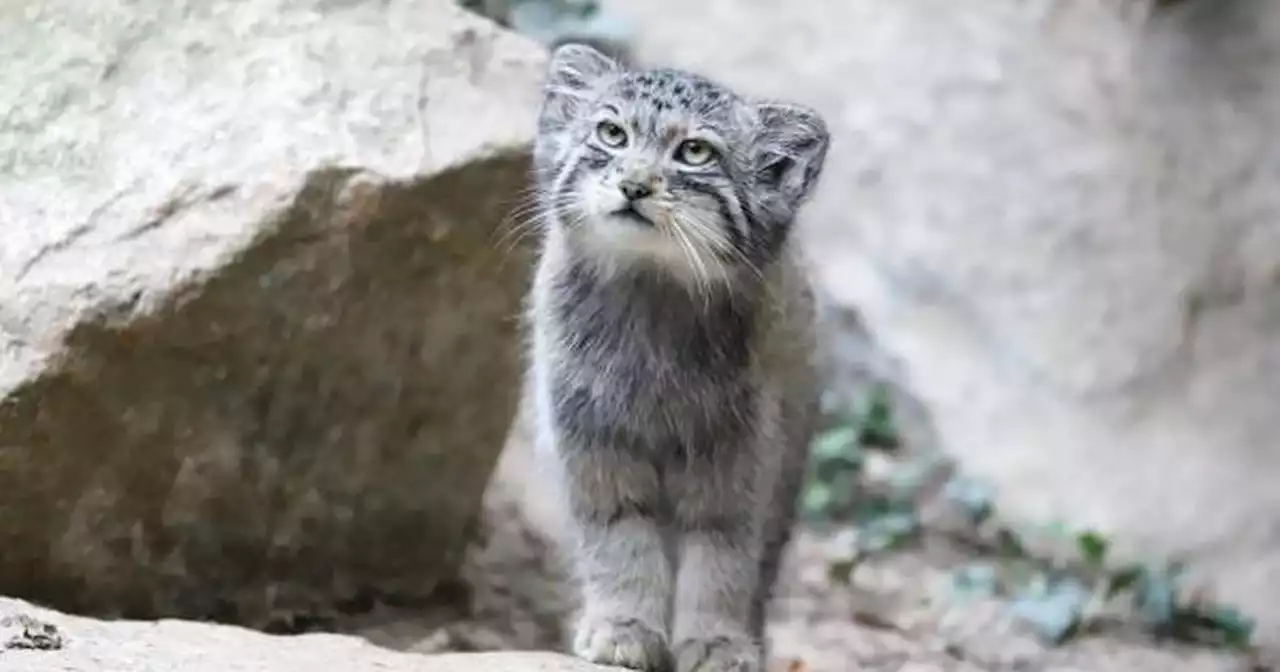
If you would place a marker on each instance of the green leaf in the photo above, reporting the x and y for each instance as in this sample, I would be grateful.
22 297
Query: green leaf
1093 547
889 530
1155 597
1236 628
839 444
873 507
1122 579
878 427
817 499
843 490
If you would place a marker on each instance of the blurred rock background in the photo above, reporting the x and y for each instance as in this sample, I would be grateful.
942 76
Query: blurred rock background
259 297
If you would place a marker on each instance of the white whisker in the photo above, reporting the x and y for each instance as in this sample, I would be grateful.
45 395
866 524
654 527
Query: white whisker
527 218
707 232
702 278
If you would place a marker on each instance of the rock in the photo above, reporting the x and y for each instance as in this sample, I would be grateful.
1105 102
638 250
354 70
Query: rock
20 631
1062 220
256 303
556 22
162 646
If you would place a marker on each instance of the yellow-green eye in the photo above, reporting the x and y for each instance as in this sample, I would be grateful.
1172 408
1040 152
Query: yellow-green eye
611 134
695 153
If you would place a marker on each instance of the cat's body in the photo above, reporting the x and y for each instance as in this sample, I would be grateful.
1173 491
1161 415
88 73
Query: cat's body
672 353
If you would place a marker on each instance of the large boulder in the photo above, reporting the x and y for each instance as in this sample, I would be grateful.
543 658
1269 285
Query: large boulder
1060 223
257 309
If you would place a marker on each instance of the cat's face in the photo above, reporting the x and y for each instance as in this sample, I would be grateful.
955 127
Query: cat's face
665 166
655 172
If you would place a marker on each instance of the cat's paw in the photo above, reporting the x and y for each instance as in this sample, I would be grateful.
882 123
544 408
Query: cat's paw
622 642
718 654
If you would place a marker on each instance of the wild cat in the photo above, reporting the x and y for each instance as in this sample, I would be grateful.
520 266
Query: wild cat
672 352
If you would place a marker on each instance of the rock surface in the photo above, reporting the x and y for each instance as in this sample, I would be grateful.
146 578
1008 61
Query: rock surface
88 645
258 350
1063 226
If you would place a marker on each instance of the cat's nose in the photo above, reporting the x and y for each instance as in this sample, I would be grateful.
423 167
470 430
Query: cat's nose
634 190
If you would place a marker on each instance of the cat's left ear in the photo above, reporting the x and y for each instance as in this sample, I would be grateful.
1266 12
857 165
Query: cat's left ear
573 72
790 150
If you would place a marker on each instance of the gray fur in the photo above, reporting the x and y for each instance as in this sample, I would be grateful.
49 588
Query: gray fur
672 353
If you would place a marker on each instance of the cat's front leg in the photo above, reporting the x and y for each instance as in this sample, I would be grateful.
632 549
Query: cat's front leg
720 542
620 559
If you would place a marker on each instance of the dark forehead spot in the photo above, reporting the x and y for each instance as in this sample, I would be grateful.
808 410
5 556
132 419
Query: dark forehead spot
669 89
654 100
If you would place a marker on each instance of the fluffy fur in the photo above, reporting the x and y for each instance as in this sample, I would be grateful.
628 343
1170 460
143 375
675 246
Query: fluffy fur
672 347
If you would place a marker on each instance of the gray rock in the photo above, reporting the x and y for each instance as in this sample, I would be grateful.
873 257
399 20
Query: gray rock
1062 220
256 307
185 646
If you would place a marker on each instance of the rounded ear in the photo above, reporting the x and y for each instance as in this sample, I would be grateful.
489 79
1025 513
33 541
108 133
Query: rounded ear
791 149
573 71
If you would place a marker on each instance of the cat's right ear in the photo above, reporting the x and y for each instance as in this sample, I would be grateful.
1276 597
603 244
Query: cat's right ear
573 72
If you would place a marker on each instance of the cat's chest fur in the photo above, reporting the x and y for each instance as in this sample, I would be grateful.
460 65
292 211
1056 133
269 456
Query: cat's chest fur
649 364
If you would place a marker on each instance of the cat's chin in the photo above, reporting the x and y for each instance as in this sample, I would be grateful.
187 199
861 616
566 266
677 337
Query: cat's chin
639 249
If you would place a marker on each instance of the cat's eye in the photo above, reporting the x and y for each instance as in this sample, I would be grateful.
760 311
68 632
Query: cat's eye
695 153
611 134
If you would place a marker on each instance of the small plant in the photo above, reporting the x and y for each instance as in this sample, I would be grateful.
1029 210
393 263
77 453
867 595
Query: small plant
875 424
1059 596
836 463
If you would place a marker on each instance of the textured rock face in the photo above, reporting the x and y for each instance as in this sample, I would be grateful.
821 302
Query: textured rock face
256 316
76 644
1064 226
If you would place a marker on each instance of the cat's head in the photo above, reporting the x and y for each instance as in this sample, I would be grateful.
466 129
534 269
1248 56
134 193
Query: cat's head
665 166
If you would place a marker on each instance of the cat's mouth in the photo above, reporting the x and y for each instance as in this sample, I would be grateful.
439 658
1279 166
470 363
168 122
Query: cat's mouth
629 213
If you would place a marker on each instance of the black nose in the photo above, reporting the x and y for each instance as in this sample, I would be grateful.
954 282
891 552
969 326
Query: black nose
633 190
